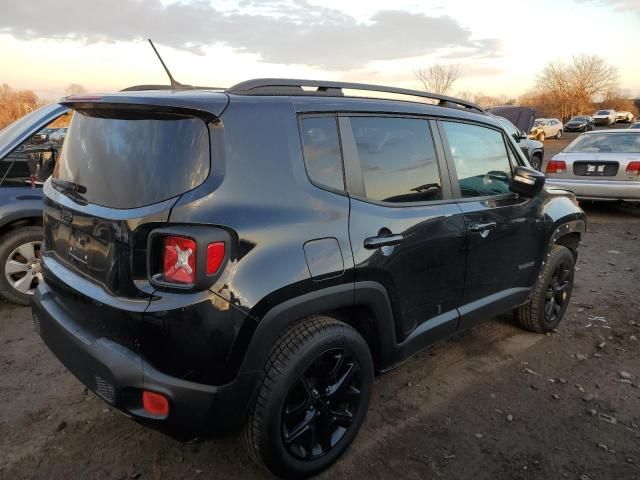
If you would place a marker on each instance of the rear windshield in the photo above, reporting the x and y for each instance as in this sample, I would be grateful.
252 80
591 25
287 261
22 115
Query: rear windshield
133 159
606 142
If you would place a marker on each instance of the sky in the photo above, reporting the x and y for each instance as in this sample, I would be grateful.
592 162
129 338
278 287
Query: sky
500 45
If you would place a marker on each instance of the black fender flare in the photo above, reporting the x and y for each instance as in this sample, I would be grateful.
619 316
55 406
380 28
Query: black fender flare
369 294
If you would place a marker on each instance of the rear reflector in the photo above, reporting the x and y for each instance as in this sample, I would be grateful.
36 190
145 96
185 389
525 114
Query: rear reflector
633 168
556 166
179 262
155 404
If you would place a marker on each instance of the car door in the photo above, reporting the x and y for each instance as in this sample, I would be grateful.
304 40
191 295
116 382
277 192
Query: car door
406 233
504 231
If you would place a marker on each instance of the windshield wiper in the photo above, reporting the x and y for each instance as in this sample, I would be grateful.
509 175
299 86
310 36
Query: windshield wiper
68 186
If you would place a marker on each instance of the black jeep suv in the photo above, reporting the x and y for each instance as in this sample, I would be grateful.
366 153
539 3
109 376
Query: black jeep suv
252 256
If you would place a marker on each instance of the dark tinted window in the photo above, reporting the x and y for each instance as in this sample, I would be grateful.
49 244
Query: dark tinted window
321 149
128 160
397 158
481 159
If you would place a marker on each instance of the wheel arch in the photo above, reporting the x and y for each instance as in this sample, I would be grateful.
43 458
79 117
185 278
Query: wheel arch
365 307
24 219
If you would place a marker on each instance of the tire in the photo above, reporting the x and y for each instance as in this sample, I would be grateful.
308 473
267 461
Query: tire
558 272
293 394
536 162
14 248
541 137
559 134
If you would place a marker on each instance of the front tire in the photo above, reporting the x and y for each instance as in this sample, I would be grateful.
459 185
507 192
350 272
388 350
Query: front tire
312 398
551 294
20 263
536 162
541 137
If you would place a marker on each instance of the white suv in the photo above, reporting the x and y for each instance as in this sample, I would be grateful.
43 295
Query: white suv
604 117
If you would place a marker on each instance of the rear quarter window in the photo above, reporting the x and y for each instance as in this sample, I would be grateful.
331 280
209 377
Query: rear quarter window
321 151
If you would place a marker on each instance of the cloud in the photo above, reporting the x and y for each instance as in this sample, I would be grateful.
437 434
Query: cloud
622 5
278 31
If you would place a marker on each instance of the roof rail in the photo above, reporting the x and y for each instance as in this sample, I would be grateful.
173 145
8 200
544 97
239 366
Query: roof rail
289 86
140 88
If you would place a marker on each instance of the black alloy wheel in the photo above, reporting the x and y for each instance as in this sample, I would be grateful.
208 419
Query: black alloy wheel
321 406
557 293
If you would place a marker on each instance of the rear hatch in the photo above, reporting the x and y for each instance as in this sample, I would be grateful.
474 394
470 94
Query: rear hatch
122 168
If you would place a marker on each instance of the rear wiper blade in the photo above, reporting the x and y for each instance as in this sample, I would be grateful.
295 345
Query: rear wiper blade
68 186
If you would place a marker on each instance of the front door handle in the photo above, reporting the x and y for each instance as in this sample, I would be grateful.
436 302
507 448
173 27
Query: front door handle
482 227
372 243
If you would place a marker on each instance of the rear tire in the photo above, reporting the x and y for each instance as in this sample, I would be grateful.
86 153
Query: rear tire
312 398
551 294
559 134
19 264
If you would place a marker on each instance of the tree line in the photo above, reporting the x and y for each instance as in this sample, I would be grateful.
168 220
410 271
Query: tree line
562 89
16 103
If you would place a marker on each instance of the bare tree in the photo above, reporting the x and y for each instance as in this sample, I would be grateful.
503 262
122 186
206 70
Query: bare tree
75 89
15 103
438 78
573 87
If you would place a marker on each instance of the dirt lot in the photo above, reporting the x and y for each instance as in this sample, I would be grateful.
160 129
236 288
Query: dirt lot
493 403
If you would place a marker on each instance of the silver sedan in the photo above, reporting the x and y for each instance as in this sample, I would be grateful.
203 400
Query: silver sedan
599 165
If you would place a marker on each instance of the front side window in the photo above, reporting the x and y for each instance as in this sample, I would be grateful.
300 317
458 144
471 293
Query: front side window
321 150
398 160
481 159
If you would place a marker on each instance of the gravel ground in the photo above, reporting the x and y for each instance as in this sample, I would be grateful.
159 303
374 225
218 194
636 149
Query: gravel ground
495 402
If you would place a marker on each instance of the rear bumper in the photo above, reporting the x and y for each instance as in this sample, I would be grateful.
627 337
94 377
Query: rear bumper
599 189
119 375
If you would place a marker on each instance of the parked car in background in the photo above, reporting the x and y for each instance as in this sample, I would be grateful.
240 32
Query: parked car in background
605 117
579 123
626 117
27 159
635 125
250 257
58 135
599 165
546 128
532 149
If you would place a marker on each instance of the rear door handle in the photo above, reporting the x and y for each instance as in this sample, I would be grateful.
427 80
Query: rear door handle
372 243
481 227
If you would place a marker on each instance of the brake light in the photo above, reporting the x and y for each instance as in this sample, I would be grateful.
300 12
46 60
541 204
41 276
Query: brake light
556 166
633 168
215 256
155 403
179 263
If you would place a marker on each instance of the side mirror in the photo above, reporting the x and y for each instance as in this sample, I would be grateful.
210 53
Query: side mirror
527 181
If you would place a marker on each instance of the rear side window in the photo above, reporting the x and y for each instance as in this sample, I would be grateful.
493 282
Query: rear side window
132 159
398 160
481 159
321 149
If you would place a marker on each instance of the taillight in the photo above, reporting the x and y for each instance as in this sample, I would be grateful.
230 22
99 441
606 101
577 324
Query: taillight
215 256
633 168
189 262
179 262
556 166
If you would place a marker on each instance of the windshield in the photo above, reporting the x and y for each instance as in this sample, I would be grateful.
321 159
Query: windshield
131 159
603 112
579 119
538 123
606 142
